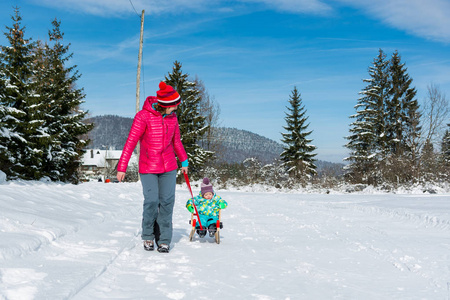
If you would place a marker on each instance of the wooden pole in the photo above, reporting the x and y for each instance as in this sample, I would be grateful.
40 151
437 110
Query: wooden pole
138 77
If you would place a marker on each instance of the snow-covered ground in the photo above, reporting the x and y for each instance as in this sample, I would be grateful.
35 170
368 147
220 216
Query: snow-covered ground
61 241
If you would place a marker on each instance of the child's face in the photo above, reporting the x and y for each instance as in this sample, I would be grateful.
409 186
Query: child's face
208 195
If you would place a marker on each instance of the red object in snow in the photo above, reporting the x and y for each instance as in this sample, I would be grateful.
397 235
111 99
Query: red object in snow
195 207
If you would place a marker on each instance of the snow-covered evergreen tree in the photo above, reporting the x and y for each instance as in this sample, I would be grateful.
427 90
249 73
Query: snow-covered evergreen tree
403 125
192 123
385 136
298 156
446 147
39 108
367 139
61 100
20 119
402 111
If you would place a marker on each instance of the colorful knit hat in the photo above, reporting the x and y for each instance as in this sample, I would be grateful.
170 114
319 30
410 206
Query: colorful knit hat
206 186
167 96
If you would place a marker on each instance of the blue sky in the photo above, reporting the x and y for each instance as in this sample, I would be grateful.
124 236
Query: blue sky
249 53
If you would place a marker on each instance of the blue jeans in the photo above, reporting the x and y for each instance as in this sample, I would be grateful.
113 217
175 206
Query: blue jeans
159 199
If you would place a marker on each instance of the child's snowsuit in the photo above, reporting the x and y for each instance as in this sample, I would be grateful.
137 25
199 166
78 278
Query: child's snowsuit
208 210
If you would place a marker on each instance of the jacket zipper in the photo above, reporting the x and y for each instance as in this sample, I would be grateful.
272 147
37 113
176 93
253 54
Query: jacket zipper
163 141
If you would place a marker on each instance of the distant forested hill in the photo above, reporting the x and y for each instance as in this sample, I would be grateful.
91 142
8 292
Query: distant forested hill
235 144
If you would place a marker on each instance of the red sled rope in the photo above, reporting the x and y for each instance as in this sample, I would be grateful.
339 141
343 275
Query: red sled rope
195 207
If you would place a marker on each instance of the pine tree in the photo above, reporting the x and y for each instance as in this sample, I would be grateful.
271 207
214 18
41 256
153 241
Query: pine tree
192 123
21 125
385 136
61 102
403 128
367 141
298 156
403 108
445 147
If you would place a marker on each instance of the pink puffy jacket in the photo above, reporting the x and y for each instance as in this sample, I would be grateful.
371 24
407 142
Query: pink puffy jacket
159 141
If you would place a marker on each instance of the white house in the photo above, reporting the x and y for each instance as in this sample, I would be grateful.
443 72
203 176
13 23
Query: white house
98 163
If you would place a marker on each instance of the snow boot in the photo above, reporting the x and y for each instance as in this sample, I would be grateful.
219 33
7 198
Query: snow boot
212 229
149 245
201 233
163 248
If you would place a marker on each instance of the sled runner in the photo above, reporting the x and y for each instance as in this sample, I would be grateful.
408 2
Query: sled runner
193 222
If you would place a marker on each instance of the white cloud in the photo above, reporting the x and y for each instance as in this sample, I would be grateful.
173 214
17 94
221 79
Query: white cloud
429 19
124 7
117 8
296 6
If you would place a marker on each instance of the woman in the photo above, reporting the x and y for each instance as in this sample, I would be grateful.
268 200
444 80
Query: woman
156 128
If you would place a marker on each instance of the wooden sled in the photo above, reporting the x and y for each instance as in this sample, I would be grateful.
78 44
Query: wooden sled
193 222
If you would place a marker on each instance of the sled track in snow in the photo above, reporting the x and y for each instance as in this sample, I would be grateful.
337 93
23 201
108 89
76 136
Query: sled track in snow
380 233
35 239
426 221
128 246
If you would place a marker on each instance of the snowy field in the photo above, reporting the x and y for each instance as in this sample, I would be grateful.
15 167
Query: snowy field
62 241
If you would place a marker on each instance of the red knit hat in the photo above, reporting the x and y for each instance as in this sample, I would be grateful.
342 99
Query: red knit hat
167 96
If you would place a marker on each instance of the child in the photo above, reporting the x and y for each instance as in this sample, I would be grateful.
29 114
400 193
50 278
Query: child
208 205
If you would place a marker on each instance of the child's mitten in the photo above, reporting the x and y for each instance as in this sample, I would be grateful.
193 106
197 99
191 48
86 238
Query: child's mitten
190 208
222 205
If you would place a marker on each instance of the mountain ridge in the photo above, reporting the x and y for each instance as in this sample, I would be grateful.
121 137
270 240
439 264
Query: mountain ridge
234 145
